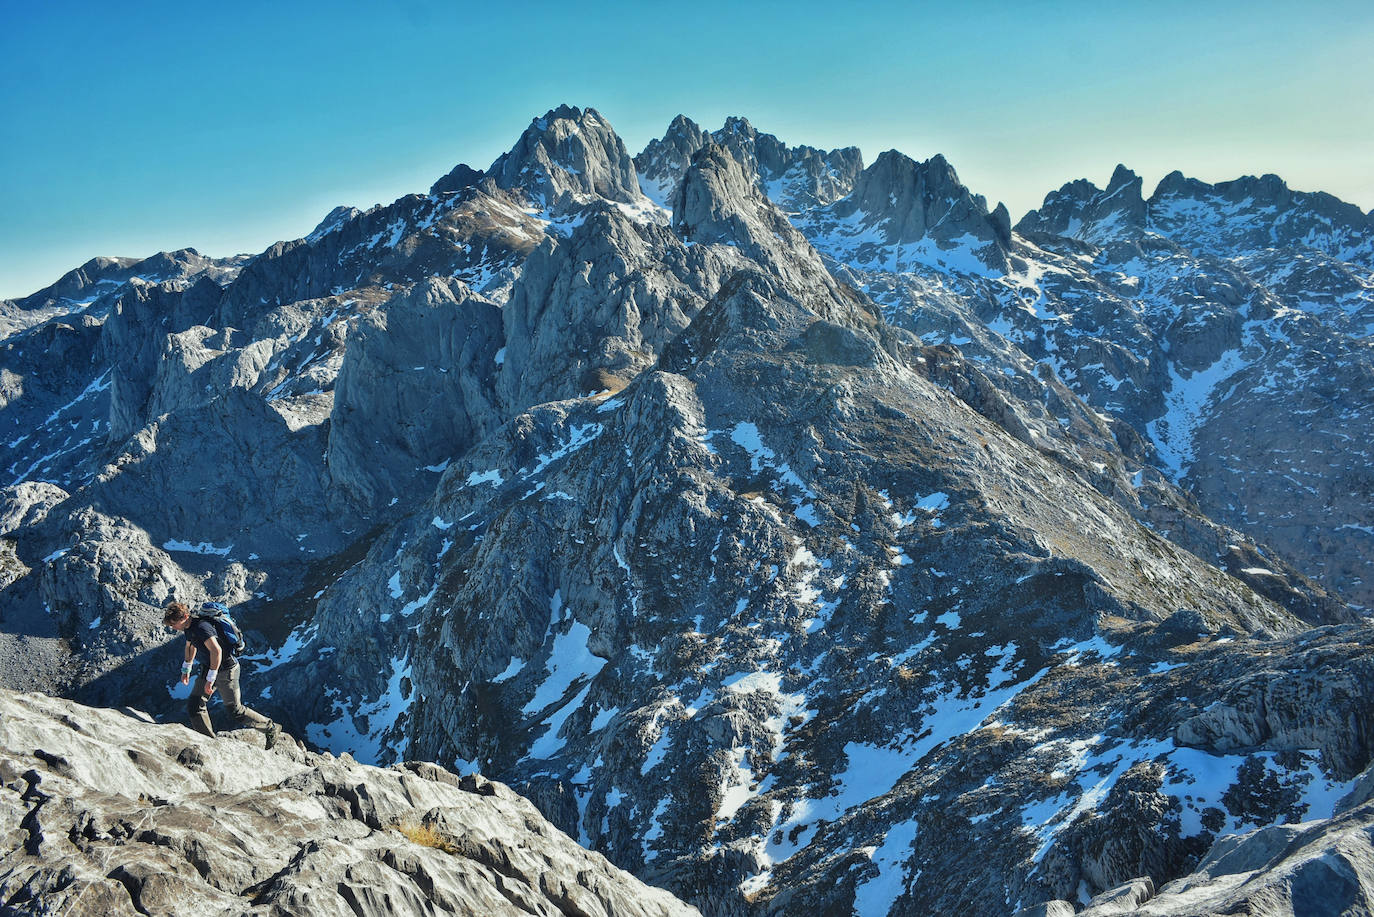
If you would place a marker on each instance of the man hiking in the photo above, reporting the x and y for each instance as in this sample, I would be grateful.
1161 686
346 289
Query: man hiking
221 672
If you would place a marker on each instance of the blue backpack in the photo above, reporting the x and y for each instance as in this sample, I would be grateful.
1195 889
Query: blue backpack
230 634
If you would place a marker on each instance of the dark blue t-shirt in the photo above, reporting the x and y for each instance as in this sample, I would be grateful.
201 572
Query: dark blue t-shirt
201 631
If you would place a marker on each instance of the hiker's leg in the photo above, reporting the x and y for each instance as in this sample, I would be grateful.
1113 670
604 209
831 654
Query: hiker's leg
234 701
195 709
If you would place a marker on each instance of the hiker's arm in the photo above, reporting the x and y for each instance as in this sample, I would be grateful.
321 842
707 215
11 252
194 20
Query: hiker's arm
188 662
216 655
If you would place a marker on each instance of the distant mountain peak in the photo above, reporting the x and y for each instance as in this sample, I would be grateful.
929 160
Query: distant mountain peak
461 177
332 221
1253 213
568 151
794 178
903 213
1081 210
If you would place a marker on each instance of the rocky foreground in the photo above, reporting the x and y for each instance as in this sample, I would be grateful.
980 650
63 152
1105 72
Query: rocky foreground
103 812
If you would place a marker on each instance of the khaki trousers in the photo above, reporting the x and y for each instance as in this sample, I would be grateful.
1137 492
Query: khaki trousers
227 687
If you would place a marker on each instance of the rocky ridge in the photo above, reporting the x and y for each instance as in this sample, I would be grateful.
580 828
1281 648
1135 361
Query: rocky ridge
783 565
106 813
793 178
1186 316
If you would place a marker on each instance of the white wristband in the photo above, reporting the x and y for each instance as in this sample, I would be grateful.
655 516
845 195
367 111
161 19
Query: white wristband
186 668
210 676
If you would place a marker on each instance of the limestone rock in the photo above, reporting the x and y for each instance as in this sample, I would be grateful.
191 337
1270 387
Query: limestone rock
1080 210
1255 213
794 178
428 353
1124 899
569 151
594 309
1055 908
1320 867
901 214
104 813
27 504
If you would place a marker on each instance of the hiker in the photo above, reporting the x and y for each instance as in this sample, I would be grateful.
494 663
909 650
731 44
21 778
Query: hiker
204 632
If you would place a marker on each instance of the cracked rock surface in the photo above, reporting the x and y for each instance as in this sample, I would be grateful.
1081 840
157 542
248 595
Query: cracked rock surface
103 812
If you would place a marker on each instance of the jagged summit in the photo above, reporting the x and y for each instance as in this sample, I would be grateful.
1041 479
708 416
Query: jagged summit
1252 214
794 178
1081 210
1247 214
717 201
902 214
461 177
568 151
332 221
660 165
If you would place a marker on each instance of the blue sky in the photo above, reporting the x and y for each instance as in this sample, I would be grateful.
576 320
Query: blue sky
127 129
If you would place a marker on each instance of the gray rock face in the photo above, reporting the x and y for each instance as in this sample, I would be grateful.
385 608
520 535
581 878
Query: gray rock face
793 178
1190 329
903 215
390 420
101 276
462 176
662 163
54 400
132 340
1315 705
1251 214
717 203
569 152
335 220
105 813
1080 211
1320 867
593 309
27 504
478 234
690 620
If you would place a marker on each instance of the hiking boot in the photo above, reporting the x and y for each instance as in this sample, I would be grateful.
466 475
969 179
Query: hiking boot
273 730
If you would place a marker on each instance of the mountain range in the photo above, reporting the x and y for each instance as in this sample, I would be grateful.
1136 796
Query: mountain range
783 528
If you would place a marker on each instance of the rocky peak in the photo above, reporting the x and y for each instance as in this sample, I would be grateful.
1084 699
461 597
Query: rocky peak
1250 214
916 200
717 202
1079 210
568 151
663 161
332 221
902 213
462 176
99 277
794 178
758 595
715 199
76 283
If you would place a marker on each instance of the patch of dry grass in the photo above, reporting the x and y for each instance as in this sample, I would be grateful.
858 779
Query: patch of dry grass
425 836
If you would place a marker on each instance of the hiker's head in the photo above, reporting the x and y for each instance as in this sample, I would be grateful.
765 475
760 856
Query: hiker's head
176 616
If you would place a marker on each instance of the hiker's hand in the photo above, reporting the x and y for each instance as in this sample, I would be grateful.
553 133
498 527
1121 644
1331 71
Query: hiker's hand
185 679
209 689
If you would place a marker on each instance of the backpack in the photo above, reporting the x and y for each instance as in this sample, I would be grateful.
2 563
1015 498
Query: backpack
230 634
